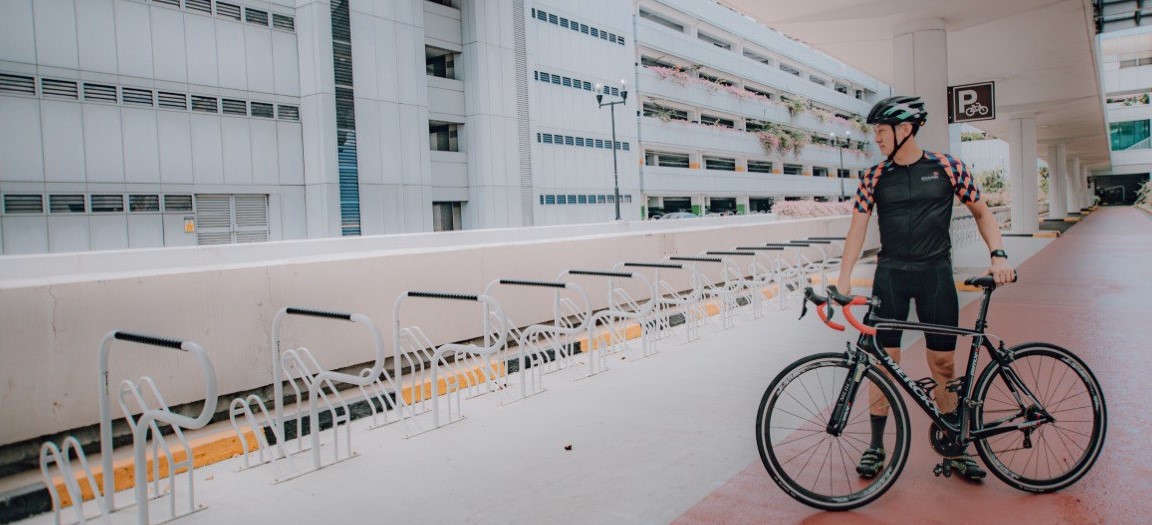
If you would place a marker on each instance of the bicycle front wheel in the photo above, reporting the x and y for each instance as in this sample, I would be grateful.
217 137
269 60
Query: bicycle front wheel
1051 455
813 466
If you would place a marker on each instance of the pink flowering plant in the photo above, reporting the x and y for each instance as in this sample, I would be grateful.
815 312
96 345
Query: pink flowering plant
811 209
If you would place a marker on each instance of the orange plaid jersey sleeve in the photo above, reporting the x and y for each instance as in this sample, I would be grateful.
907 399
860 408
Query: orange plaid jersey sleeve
963 184
866 193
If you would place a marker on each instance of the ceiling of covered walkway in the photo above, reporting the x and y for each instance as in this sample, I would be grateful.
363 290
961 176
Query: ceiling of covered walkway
1040 53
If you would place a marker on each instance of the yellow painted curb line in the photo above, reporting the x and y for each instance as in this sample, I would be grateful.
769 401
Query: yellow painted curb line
1049 234
1071 219
205 451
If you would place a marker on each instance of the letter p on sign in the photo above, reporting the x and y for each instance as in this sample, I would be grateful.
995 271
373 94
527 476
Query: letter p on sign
971 102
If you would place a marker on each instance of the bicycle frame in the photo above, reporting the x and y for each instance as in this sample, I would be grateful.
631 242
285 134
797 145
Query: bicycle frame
867 345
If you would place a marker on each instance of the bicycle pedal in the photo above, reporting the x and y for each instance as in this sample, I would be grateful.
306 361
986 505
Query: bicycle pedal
926 384
955 385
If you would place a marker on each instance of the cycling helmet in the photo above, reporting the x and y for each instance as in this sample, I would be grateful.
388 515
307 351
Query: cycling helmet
897 110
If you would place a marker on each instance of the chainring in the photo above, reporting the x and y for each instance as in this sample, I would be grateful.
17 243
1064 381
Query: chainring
944 443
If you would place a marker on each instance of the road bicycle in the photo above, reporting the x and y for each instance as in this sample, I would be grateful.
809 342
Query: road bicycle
1035 413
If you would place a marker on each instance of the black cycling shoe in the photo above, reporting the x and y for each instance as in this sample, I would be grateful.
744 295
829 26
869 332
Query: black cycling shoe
963 465
871 462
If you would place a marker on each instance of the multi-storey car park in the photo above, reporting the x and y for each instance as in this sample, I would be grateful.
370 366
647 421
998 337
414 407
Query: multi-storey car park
150 123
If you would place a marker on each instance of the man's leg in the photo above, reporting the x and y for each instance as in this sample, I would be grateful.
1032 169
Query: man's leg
892 306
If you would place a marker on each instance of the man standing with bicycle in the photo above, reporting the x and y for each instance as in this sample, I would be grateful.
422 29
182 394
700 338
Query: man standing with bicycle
912 193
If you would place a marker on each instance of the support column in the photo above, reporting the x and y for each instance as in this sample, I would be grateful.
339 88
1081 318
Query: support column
1057 182
1073 194
1022 173
920 58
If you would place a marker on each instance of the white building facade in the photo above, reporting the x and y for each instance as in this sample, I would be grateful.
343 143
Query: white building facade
1126 78
151 123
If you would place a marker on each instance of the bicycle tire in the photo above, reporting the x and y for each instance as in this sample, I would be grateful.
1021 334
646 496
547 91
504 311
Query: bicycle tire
1061 452
791 421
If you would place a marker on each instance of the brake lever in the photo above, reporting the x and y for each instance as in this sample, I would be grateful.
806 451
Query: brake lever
803 308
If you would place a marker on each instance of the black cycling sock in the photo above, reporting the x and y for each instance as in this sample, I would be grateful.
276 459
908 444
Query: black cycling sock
878 423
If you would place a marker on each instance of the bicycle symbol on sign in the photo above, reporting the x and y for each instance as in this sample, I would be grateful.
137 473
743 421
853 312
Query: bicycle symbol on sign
976 108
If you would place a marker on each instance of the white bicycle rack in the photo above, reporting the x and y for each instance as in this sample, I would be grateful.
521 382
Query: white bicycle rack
144 426
828 258
765 271
670 301
743 283
52 454
793 275
544 348
308 380
724 286
622 307
451 377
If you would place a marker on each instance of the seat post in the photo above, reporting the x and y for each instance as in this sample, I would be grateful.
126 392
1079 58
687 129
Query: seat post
981 321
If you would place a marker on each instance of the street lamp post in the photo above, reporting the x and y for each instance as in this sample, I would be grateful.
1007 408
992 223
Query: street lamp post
612 110
840 173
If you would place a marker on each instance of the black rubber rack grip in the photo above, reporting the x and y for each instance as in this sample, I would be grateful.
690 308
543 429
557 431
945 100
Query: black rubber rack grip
760 248
794 244
319 313
519 282
730 253
442 295
816 241
153 340
599 273
653 265
827 238
699 259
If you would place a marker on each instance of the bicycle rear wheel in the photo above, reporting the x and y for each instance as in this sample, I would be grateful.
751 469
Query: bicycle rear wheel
811 465
1052 455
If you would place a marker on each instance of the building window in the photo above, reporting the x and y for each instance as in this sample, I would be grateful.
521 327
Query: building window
443 136
66 203
143 203
713 120
666 159
759 166
713 40
107 203
666 22
23 203
440 62
793 169
719 163
652 109
1129 135
818 171
446 216
177 203
789 69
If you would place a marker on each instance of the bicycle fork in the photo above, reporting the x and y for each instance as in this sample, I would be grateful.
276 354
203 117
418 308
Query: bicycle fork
857 365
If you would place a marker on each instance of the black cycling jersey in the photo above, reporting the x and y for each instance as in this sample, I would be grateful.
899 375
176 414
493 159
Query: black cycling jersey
914 206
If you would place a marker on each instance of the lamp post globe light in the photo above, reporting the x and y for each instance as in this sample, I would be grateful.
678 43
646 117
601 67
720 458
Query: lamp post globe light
600 92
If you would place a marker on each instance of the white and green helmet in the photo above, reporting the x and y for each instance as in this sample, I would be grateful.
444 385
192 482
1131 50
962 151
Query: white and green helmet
897 110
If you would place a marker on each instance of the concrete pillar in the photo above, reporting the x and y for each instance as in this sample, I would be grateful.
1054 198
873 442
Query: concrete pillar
1022 173
699 205
742 205
920 58
1073 194
1057 182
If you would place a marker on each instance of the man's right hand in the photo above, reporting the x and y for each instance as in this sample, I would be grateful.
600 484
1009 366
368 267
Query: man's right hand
844 286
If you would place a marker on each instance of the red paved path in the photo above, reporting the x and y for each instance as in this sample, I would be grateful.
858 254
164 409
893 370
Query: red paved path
1089 291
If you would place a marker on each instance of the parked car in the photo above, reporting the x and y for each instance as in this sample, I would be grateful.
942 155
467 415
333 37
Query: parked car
678 215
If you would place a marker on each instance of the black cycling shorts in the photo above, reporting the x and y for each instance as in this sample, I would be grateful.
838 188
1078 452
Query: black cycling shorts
934 290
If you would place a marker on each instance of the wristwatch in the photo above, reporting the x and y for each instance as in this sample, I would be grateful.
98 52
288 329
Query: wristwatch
999 253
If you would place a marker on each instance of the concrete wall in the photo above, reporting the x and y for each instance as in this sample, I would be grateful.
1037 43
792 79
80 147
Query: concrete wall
54 309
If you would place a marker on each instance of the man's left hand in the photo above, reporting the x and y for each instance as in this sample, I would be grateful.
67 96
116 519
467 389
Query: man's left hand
1001 271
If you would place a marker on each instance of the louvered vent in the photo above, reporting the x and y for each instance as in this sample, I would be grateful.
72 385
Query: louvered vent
342 62
142 97
66 203
255 16
172 100
17 84
261 109
173 3
58 88
204 6
229 11
99 92
107 203
205 104
288 112
143 203
177 203
234 107
23 203
251 218
213 219
283 22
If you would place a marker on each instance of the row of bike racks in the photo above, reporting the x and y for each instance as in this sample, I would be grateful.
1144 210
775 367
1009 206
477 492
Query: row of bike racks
425 378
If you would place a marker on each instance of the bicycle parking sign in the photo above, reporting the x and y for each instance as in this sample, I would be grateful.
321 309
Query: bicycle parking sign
972 102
